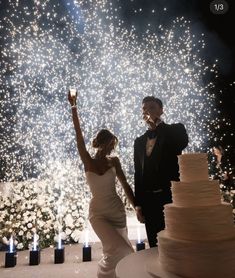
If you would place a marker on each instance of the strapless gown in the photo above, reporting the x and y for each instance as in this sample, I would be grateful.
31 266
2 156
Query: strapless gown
108 219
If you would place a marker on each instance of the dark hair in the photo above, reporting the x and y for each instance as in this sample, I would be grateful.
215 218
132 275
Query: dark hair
220 148
104 136
152 98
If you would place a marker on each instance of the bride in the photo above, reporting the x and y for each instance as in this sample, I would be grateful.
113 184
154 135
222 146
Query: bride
106 211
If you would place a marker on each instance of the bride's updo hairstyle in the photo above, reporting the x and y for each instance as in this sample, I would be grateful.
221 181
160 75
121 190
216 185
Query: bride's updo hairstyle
103 137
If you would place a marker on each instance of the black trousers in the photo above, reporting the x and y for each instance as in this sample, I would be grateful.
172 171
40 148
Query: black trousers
153 206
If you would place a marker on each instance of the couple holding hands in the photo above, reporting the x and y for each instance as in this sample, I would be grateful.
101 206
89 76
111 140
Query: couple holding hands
155 165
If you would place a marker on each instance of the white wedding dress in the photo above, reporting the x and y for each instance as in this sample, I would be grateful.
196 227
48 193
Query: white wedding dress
108 219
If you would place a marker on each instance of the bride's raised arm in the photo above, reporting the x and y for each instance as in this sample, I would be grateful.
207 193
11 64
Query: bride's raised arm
85 156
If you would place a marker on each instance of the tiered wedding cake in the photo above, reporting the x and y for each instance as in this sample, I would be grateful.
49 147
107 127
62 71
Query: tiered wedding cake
199 239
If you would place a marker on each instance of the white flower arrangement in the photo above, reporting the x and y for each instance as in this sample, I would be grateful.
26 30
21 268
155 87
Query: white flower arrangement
56 203
38 207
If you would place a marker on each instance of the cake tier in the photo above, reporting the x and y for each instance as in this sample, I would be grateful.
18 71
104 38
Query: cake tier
210 259
193 167
199 193
199 223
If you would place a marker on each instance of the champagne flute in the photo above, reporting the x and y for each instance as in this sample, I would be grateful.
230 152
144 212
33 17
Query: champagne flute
147 118
73 94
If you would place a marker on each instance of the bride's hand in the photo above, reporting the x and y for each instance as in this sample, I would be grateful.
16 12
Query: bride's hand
71 99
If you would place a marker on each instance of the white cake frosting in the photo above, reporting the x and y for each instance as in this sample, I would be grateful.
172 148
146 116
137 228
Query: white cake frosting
197 259
199 193
199 223
199 238
193 167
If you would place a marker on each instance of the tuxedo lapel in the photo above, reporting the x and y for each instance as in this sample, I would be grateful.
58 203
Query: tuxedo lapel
142 149
158 147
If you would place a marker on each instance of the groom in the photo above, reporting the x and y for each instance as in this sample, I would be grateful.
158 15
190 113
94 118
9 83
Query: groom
156 165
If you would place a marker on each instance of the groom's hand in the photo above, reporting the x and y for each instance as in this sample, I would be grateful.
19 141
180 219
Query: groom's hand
149 121
139 214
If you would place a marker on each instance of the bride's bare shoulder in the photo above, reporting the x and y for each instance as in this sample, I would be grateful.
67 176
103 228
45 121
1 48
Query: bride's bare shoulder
115 161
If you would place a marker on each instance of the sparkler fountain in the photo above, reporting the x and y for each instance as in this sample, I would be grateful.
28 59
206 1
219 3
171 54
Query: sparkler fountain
52 47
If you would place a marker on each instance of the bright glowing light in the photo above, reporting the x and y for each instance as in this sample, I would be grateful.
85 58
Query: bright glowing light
86 44
138 235
59 241
86 243
11 244
35 242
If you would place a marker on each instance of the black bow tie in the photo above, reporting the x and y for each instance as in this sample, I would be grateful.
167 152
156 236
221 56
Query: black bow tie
151 133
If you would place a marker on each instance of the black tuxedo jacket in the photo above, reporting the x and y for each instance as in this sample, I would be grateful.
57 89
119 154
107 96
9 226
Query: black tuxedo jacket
171 140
